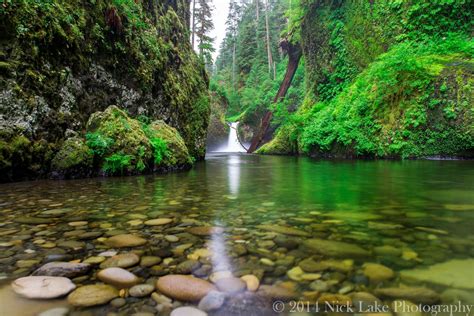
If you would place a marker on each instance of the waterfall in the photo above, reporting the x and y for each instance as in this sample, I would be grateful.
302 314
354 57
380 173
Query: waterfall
233 145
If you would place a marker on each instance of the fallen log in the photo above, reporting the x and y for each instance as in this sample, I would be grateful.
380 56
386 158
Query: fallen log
294 56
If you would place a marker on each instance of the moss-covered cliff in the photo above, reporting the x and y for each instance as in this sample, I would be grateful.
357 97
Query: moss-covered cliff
384 79
61 61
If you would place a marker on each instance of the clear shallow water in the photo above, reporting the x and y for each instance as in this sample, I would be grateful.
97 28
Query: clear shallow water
425 209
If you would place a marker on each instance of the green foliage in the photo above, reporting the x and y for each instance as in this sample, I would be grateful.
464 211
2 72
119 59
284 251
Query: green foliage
98 143
160 149
389 109
117 163
254 88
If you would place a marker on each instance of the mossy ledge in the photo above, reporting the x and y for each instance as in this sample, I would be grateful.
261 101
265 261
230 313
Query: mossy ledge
61 61
116 144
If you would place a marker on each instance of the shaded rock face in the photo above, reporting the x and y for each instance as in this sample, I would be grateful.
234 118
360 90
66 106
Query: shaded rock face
48 89
218 131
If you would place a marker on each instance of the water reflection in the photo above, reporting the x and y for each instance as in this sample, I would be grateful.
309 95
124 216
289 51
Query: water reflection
220 258
233 170
407 214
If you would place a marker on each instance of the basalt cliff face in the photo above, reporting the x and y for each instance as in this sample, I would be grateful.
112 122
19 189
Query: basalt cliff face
62 61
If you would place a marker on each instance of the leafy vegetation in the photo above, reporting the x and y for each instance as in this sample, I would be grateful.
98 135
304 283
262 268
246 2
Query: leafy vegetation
384 79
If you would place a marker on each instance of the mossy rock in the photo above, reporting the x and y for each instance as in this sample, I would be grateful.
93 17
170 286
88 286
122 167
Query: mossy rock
281 144
118 141
177 155
74 158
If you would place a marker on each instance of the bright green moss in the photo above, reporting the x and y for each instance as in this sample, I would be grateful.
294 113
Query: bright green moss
74 154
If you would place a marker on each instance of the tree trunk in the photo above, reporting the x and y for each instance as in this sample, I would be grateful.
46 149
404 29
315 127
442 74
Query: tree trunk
294 56
193 24
269 49
233 65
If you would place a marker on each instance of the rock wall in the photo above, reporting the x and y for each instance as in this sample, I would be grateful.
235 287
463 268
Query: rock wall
61 61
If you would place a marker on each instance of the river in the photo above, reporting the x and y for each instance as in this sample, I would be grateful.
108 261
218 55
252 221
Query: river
271 213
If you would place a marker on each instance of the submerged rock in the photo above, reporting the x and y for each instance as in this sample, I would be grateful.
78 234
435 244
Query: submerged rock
414 294
187 311
184 287
91 295
158 221
311 265
123 260
335 299
456 273
118 277
377 272
212 301
331 248
141 290
42 287
63 269
276 292
125 241
205 230
251 281
284 230
231 285
188 266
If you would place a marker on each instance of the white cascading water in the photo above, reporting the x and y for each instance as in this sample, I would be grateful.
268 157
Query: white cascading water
233 144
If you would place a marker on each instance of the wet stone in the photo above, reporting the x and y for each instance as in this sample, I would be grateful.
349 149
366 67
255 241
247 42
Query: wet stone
89 235
158 221
94 260
58 311
319 285
212 301
148 261
172 238
63 269
34 220
91 295
72 244
118 302
183 287
26 263
187 311
377 273
251 281
141 290
364 300
414 294
187 267
123 260
231 285
42 287
118 277
333 248
124 241
57 257
205 230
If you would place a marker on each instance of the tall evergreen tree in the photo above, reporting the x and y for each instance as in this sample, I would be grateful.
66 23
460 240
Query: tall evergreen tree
203 26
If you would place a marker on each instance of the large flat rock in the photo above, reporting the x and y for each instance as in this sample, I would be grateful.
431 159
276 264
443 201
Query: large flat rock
332 248
457 273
